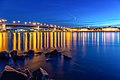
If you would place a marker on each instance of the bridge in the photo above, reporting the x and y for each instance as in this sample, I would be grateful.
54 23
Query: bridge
5 26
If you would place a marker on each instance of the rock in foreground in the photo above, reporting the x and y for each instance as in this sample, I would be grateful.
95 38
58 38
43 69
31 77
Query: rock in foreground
4 55
11 74
54 53
39 74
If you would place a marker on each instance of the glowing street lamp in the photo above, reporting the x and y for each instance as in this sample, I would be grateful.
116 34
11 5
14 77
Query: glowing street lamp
34 23
3 20
47 25
25 22
38 23
51 25
55 26
30 22
44 24
14 22
18 21
41 24
58 26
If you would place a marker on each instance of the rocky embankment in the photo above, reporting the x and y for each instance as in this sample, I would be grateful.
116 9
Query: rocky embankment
11 73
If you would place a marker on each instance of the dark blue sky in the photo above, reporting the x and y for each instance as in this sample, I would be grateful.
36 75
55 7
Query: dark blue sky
63 12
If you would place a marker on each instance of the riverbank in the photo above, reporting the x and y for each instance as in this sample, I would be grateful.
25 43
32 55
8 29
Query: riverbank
18 62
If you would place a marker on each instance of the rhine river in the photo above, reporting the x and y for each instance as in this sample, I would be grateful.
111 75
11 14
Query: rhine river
95 55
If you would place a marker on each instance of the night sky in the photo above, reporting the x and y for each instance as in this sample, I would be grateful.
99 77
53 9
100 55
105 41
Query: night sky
63 12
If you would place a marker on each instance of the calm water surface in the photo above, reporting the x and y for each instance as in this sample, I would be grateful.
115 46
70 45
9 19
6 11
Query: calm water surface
95 55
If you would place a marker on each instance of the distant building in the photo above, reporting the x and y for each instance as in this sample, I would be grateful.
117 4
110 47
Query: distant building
110 29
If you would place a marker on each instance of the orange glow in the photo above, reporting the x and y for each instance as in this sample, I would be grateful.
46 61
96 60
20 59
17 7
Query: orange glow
64 38
30 41
59 39
68 39
1 41
54 39
38 40
34 41
4 41
14 41
84 29
25 42
41 40
74 38
110 29
19 42
45 40
51 39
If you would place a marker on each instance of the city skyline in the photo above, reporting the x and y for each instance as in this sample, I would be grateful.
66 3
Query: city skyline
68 12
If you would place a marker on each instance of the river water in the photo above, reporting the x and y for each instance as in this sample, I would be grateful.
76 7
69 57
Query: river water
95 55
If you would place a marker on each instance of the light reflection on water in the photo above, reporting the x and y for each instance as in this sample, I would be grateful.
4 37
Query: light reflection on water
95 54
39 40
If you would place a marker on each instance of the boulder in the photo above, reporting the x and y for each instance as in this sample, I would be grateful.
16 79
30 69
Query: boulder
11 74
4 55
48 59
39 74
13 53
53 53
25 71
18 57
25 54
39 53
67 57
30 53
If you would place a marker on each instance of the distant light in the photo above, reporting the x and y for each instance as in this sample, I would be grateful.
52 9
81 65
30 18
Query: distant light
55 26
34 23
30 22
38 23
18 21
44 23
25 22
14 22
51 25
3 20
41 24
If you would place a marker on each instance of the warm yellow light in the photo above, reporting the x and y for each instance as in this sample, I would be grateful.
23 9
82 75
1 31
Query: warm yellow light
84 29
58 26
47 25
25 23
51 25
110 29
34 23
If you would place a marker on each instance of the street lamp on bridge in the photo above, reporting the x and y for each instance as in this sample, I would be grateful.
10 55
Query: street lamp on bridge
14 22
18 21
3 20
25 22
